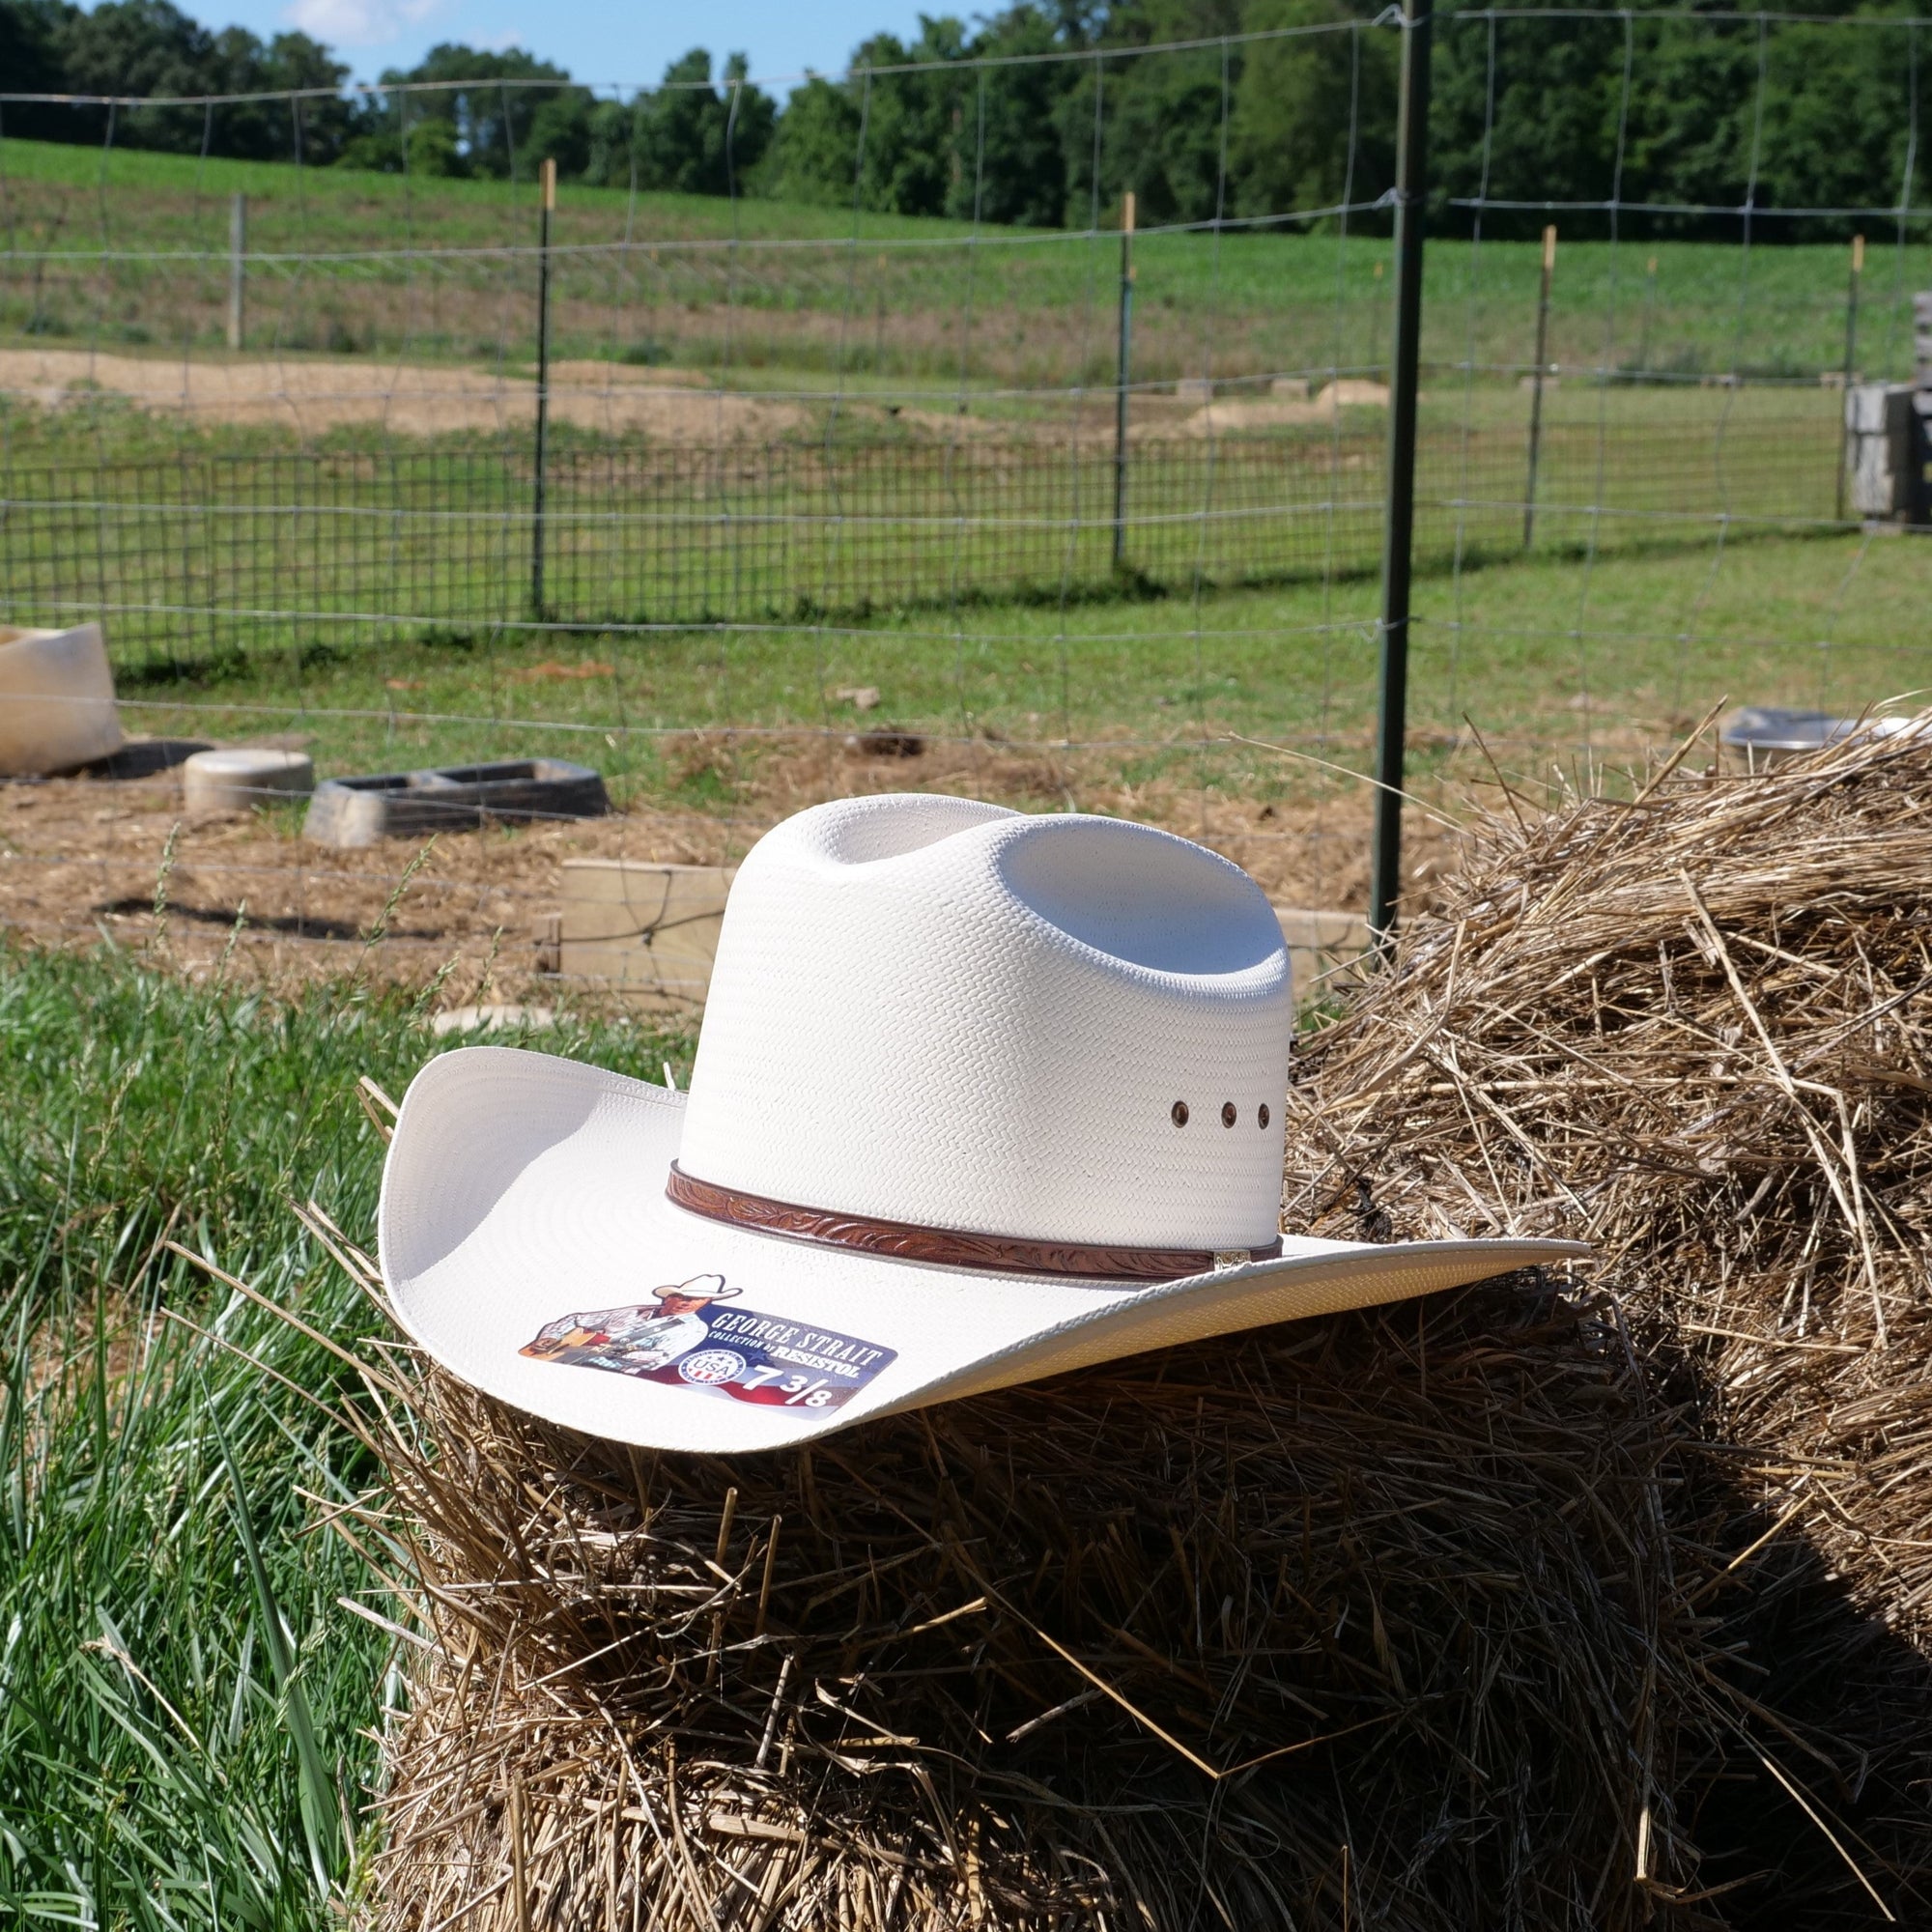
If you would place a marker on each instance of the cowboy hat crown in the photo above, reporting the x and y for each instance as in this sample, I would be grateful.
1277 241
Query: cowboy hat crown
935 1011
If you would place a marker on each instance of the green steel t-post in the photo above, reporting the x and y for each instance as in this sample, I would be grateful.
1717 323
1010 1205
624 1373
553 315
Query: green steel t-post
1123 379
1536 385
549 207
1398 537
1851 364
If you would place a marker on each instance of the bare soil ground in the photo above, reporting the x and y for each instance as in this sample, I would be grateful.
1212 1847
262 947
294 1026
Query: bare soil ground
312 394
1234 416
80 860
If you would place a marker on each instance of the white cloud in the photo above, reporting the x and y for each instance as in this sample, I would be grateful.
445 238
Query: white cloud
358 24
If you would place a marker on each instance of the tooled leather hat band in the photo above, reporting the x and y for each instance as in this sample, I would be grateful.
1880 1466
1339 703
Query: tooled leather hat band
947 1247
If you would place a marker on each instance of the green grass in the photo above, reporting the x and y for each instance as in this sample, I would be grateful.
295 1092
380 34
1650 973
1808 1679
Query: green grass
1553 657
185 1707
195 544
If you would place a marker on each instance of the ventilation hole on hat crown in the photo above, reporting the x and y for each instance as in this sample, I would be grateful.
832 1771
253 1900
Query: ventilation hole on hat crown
1228 1114
1262 1116
1177 1113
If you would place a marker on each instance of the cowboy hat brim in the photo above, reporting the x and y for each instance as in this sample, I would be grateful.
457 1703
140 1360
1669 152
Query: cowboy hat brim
521 1188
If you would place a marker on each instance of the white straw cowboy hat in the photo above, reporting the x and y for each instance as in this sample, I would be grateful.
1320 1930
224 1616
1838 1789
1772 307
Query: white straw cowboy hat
979 1097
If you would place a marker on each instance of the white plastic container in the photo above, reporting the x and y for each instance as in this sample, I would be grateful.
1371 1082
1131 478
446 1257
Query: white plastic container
56 701
1761 737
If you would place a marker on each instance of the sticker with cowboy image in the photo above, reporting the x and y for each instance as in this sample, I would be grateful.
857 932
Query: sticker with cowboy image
682 1340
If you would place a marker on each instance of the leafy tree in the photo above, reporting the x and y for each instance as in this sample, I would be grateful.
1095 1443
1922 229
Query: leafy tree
141 47
373 141
1527 110
938 139
1022 178
152 47
814 148
609 161
432 150
136 47
1838 127
561 132
31 33
1531 105
1314 116
1552 96
487 98
317 128
695 137
1164 118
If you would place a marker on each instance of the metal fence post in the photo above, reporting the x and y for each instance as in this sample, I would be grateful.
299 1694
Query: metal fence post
1851 357
1398 529
238 255
1123 369
1536 384
547 205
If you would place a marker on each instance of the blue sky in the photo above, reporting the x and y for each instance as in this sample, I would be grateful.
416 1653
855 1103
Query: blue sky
596 40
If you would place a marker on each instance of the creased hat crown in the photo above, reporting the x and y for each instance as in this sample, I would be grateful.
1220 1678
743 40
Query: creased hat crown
935 1011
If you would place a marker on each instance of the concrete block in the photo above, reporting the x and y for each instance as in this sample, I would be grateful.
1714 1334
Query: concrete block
1882 441
237 778
647 930
1320 944
358 812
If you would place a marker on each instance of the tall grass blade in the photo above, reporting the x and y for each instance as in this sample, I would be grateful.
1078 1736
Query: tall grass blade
321 1800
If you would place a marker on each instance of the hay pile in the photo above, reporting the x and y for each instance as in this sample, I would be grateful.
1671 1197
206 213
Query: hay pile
1365 1622
1696 1029
1504 1609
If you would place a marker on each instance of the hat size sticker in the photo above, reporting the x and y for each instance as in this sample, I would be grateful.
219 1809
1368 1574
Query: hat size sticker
684 1339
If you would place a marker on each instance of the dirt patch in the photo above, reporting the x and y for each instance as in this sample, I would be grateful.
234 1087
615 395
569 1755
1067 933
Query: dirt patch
588 373
1267 413
79 860
313 394
951 425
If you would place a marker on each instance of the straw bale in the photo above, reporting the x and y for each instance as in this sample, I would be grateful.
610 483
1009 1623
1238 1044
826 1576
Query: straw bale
1370 1621
1551 1604
1693 1028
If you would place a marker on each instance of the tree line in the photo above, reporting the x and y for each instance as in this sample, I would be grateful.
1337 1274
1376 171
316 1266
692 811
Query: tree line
1046 113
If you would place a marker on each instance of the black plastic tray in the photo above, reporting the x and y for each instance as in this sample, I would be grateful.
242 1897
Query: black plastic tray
411 805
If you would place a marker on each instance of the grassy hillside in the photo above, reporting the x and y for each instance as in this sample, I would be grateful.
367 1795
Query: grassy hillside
128 248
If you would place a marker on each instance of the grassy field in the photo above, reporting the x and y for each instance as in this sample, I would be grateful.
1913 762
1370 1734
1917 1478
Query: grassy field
123 248
184 1735
888 414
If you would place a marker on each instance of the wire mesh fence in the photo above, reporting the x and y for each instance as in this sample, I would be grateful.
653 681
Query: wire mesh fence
1086 520
178 551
